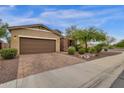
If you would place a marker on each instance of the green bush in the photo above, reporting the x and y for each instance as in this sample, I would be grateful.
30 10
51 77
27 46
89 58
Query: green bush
105 49
92 50
102 44
110 46
8 53
77 47
120 44
71 50
87 50
98 48
81 51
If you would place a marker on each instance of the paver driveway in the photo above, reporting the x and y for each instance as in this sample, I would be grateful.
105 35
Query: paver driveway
36 63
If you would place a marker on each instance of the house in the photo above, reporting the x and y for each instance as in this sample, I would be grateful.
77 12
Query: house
3 44
65 43
36 38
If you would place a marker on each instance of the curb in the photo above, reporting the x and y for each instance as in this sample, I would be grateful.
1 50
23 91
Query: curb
107 75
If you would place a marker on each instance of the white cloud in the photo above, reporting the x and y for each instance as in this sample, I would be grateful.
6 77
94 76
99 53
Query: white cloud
21 20
69 13
64 18
12 6
4 9
108 12
74 16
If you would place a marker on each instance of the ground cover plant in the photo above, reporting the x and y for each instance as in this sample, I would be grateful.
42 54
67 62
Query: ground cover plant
8 53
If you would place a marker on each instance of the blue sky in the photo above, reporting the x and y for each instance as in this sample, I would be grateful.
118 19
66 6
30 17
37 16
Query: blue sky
108 18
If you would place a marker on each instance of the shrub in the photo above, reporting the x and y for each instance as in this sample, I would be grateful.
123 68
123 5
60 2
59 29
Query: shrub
81 51
105 49
8 53
98 48
102 44
120 44
71 50
77 47
110 47
87 50
92 50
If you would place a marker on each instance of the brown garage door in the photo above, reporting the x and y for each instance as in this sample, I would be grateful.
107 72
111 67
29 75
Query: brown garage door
31 45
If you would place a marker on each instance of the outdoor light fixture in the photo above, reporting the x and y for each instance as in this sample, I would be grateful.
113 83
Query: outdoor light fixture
15 37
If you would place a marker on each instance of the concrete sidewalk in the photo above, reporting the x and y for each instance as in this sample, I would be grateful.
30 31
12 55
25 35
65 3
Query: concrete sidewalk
88 74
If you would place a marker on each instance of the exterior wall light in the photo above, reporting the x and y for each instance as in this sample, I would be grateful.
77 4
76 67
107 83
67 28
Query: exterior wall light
15 37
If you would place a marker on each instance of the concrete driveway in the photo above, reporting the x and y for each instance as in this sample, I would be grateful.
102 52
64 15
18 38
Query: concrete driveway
36 63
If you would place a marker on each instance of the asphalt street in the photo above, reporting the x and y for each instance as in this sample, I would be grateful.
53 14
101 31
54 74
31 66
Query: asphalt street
119 82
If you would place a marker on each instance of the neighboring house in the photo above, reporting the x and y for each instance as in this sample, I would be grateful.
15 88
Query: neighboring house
35 38
3 44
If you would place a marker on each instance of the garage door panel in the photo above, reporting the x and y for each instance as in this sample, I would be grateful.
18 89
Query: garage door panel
31 45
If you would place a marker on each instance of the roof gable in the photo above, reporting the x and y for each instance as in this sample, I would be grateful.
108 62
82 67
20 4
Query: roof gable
37 26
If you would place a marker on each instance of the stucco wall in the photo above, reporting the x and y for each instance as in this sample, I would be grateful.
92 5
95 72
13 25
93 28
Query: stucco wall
16 34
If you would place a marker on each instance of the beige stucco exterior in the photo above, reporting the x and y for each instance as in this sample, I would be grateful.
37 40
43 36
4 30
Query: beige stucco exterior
33 33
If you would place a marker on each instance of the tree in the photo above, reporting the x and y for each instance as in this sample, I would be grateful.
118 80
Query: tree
8 37
4 33
110 40
70 30
74 33
120 44
92 34
87 35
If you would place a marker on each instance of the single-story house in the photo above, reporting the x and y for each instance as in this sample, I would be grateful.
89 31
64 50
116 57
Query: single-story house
37 38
